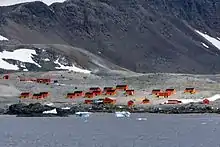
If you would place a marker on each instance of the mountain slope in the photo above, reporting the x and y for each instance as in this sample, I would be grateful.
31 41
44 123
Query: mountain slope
143 36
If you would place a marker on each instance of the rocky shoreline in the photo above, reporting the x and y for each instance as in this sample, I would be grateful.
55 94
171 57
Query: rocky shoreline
37 109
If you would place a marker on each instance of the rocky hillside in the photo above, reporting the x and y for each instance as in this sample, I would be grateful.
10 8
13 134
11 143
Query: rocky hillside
140 35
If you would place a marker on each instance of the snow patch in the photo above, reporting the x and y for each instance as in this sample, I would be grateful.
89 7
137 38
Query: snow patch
205 45
71 68
54 111
187 101
212 40
25 69
23 55
214 97
3 38
47 59
13 2
122 114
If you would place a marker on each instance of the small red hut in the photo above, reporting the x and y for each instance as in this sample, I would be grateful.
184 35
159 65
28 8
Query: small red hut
205 101
89 95
6 77
109 101
107 88
97 93
171 90
110 92
122 87
130 103
129 92
156 91
88 101
79 93
25 95
145 101
44 94
42 80
37 96
164 94
95 89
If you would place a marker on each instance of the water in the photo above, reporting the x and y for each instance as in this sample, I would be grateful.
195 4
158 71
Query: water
105 130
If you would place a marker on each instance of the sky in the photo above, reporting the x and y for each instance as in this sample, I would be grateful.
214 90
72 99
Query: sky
12 2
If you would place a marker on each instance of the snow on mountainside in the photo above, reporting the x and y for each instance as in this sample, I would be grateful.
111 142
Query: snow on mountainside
3 38
13 2
212 40
26 56
50 57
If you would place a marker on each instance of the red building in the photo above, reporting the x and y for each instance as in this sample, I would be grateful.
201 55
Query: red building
97 93
129 92
25 95
130 103
109 101
6 77
37 96
206 101
172 91
145 101
110 92
156 91
122 87
88 101
89 95
45 81
95 89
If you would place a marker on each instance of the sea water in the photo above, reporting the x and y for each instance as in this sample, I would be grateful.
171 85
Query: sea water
106 130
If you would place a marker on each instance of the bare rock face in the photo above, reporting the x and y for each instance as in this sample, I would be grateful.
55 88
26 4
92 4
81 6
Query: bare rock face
143 36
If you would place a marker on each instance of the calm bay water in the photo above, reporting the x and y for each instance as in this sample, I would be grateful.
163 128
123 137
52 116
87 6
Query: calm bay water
105 130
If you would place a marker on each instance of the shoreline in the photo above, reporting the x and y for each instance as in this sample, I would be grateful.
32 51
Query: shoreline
37 109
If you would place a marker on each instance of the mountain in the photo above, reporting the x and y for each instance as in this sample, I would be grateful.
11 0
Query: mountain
139 35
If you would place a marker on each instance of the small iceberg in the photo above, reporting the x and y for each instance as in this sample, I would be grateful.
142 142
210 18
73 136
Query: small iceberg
141 119
122 114
53 111
83 114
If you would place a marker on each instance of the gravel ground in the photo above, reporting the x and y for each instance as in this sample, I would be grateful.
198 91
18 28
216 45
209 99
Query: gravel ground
207 85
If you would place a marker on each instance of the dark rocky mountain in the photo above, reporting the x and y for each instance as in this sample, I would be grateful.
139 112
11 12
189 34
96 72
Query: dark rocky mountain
140 35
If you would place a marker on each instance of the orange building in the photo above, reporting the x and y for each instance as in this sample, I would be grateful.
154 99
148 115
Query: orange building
130 103
107 88
190 90
44 94
95 89
37 96
88 101
129 92
110 92
164 94
156 91
42 80
172 91
25 95
145 101
109 101
122 87
97 93
6 77
89 95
